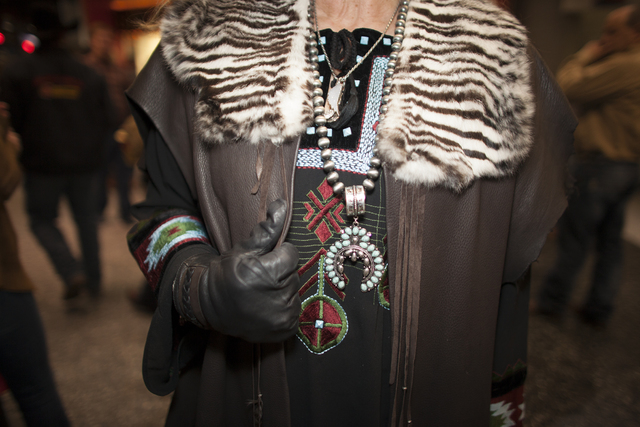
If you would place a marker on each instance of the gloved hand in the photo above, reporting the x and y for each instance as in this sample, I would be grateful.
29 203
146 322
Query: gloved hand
250 292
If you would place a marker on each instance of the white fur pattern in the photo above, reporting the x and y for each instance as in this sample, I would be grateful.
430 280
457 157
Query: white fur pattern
460 108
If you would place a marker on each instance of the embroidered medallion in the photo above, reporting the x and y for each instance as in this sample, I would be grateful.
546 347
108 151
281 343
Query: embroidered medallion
323 323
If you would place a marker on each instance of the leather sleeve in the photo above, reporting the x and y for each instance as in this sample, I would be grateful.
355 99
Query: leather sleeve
158 102
541 186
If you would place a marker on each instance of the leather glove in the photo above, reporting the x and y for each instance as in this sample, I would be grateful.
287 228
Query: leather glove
250 292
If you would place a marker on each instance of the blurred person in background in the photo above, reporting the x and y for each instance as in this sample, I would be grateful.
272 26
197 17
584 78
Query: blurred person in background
119 77
602 81
61 109
24 362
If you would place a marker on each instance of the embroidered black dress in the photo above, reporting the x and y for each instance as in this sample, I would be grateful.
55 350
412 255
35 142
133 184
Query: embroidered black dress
338 366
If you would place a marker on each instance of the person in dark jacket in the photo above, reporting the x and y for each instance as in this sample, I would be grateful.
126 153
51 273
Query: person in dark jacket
61 109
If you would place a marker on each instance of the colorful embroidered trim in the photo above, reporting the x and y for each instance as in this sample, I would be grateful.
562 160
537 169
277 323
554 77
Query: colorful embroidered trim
508 410
507 396
153 241
347 160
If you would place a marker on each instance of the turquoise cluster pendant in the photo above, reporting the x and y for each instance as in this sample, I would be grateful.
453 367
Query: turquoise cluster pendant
355 244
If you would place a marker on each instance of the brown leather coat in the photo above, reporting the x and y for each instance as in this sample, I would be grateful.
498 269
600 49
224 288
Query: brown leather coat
462 313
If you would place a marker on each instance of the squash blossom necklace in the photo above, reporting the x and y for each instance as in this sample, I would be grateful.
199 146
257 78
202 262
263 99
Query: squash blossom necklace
355 241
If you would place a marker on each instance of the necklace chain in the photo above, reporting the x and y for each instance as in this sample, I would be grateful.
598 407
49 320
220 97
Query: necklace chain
355 241
346 76
319 109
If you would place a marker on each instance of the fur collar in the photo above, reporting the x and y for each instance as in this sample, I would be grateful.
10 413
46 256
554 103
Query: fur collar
461 106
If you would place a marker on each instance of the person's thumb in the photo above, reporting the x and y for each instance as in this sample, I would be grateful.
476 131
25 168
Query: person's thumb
265 234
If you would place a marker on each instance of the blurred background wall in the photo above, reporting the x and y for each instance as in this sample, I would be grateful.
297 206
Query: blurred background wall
134 42
557 27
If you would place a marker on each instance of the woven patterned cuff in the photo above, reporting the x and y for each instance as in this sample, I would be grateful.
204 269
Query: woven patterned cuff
155 240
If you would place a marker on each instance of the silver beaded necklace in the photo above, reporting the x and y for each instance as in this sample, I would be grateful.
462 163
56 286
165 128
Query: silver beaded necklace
355 241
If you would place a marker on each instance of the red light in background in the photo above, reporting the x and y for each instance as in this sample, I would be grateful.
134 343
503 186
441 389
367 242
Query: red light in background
29 42
28 46
1 38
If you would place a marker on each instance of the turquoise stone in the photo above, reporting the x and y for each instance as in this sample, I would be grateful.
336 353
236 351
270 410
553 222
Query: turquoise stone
377 274
347 230
335 280
379 267
371 248
378 260
375 253
331 274
374 279
363 245
362 232
331 254
333 249
365 238
338 245
329 261
363 287
329 268
344 236
341 284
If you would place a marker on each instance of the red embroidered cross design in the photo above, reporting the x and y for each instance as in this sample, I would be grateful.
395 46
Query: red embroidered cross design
327 216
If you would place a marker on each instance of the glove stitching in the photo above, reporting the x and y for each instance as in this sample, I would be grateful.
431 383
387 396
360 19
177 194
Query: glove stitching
186 297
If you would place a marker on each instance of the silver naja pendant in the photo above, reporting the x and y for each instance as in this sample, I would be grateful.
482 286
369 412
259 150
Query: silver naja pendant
355 244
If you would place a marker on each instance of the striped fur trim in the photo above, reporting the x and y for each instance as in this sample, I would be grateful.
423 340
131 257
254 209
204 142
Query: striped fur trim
461 106
249 61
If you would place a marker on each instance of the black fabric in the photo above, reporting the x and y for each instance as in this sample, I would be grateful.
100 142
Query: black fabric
171 344
183 408
323 386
